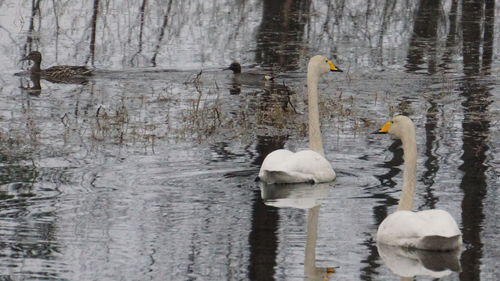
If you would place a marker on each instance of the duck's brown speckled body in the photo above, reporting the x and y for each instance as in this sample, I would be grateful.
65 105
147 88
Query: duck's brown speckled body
58 72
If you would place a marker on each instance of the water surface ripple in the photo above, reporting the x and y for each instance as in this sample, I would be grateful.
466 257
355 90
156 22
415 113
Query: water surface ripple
146 170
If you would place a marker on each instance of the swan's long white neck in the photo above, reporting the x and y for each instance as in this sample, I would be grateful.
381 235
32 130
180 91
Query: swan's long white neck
410 169
315 142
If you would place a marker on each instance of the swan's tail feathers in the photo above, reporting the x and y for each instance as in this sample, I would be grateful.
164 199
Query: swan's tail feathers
275 176
440 243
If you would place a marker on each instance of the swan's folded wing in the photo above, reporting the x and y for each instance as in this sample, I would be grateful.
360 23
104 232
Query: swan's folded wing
276 159
283 166
401 228
308 162
441 231
429 230
438 222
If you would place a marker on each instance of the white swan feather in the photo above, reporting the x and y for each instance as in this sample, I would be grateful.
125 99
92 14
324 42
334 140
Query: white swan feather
426 230
284 166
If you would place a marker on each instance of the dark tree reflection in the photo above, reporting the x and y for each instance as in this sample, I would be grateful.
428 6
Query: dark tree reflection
380 212
423 49
488 35
35 9
476 131
423 41
431 162
262 238
93 24
451 38
166 18
280 34
279 40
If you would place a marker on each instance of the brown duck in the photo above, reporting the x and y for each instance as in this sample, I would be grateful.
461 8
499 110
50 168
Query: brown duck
58 72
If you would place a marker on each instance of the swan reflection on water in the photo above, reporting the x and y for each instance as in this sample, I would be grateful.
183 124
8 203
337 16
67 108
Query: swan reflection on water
297 195
308 197
408 263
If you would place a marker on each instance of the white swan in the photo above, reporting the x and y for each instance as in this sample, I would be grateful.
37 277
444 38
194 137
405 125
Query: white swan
284 166
426 230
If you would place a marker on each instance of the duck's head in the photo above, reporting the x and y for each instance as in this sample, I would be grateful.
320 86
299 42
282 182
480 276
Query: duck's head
398 127
235 67
34 56
320 65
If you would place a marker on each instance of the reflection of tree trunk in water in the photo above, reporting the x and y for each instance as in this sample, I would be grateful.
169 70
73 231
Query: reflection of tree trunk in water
380 212
56 17
142 14
262 239
489 26
280 37
431 163
387 13
162 33
372 260
141 26
35 6
471 32
93 32
280 34
452 33
266 145
423 41
475 138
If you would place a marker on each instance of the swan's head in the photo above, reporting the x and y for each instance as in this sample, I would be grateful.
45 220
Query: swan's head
320 65
399 127
235 67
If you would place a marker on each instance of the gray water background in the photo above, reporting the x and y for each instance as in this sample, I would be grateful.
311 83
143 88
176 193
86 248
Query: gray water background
146 171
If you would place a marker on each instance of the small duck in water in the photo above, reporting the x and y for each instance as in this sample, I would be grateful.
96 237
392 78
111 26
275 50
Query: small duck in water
57 73
235 67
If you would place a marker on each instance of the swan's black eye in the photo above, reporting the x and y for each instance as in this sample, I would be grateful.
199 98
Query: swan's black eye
326 61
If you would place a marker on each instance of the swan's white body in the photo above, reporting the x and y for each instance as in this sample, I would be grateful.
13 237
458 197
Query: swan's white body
426 230
284 166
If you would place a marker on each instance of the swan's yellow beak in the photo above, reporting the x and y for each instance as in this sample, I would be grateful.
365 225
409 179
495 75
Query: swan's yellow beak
333 67
385 128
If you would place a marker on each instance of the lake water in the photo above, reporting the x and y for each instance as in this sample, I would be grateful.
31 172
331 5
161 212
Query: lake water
146 171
